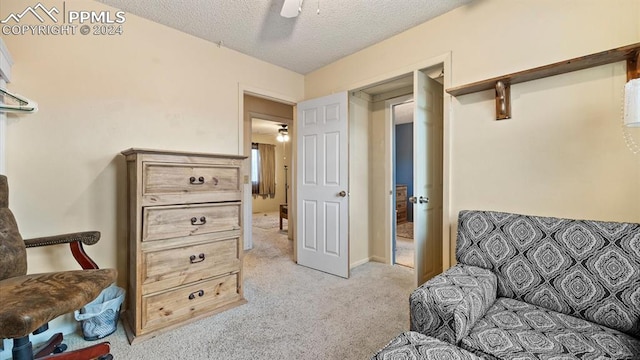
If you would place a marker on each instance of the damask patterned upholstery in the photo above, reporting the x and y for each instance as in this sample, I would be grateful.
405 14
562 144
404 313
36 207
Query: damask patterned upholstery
447 306
513 329
587 269
565 289
412 345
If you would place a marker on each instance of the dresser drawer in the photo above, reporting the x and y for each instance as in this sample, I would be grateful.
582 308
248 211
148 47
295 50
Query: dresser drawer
401 193
169 268
186 302
170 179
165 222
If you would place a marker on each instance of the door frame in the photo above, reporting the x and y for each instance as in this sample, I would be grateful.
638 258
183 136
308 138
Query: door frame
446 62
390 182
244 132
6 62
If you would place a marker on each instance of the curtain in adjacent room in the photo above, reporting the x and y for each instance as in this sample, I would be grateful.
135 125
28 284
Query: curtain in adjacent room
255 169
267 170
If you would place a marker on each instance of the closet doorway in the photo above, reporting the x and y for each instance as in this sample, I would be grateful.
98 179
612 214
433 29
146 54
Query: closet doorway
407 172
401 112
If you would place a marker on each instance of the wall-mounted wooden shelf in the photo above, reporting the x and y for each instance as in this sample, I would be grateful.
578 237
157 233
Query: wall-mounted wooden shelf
629 53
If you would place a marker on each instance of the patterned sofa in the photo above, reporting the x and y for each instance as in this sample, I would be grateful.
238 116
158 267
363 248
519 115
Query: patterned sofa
529 287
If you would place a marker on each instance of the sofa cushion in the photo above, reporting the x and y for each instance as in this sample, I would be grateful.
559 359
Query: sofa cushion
415 346
513 329
588 269
447 306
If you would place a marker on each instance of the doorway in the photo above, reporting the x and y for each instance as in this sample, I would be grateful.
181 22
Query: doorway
401 112
270 160
418 199
263 120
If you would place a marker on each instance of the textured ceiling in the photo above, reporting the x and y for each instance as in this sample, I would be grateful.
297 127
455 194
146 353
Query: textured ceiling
302 44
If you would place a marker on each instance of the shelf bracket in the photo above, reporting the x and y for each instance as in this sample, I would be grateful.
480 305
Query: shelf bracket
633 66
503 100
501 84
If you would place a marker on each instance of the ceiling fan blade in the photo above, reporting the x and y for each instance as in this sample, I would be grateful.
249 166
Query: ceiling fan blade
291 8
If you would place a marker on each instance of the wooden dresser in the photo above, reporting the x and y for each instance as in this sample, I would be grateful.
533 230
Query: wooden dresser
401 204
185 238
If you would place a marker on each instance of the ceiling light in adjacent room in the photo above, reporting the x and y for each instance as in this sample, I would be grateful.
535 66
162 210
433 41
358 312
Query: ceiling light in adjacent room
283 134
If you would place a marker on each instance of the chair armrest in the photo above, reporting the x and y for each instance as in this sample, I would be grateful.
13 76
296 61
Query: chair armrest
86 237
447 306
75 241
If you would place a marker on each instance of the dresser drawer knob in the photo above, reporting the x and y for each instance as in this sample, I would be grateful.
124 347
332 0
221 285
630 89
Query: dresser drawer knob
194 221
200 180
193 260
200 293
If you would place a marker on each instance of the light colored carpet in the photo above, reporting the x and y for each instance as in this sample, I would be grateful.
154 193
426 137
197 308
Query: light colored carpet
266 220
293 312
405 230
404 252
404 244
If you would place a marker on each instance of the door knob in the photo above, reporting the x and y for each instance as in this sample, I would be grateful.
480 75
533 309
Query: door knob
342 193
420 200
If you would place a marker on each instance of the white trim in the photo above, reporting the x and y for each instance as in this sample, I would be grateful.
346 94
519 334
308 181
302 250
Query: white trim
446 61
389 166
447 139
3 144
247 211
3 135
6 61
378 259
360 262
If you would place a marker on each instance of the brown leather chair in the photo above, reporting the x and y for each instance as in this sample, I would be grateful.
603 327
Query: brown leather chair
29 302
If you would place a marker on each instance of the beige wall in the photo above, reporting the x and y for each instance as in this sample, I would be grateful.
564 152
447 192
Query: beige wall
152 87
283 156
378 171
359 205
562 154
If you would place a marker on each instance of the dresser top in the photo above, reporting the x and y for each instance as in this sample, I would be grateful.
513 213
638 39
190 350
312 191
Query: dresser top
135 151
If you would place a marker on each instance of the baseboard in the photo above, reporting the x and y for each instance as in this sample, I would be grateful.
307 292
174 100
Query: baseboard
359 262
378 259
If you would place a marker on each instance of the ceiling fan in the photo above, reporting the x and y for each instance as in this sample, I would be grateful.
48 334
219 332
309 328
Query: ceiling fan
291 8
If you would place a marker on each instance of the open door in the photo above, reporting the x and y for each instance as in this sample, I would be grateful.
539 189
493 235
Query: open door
427 176
322 191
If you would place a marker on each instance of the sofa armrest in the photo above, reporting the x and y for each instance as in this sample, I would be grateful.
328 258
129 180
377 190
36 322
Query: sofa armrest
447 306
413 345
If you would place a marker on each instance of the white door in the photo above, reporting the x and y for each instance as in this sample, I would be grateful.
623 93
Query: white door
427 176
322 192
